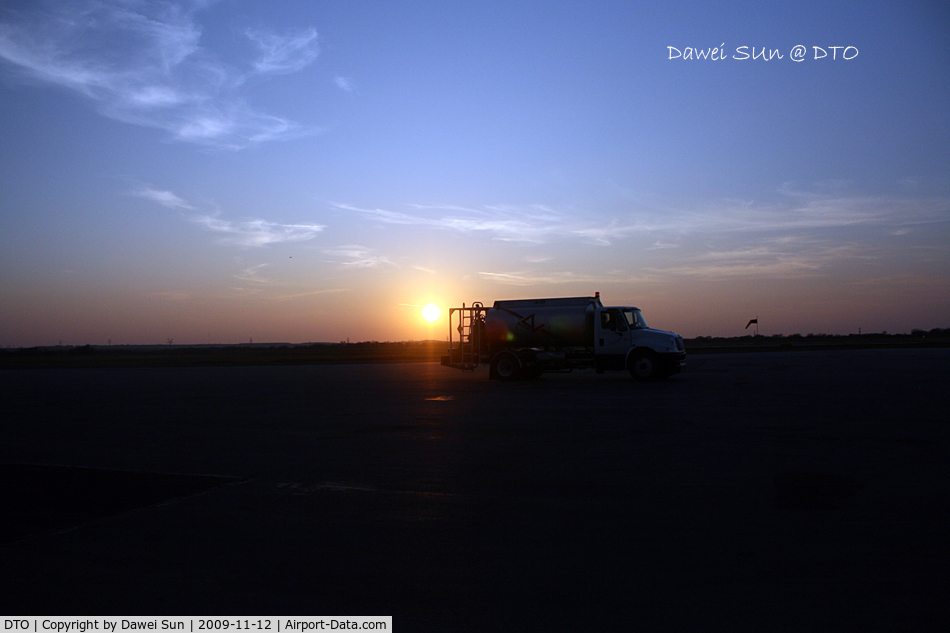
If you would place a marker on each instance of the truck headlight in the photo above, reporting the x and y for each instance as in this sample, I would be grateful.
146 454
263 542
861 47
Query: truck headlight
673 345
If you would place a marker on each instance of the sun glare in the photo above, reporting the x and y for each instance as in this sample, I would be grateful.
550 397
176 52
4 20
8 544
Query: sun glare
431 313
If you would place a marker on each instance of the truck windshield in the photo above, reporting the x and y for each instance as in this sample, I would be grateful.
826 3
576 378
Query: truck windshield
634 318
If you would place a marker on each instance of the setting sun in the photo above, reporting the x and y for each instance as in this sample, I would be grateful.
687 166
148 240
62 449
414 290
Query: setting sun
431 313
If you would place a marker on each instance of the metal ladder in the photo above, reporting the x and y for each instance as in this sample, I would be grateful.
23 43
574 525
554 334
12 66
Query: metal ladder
468 353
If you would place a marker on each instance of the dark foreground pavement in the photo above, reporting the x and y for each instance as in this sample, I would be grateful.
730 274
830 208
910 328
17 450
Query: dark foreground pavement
796 491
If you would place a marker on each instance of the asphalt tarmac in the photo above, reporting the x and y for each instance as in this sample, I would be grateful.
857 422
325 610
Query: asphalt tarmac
800 491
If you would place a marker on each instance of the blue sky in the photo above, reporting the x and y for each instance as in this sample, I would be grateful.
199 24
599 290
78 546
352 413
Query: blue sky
316 171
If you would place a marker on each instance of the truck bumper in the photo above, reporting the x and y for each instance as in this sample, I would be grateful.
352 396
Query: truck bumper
671 363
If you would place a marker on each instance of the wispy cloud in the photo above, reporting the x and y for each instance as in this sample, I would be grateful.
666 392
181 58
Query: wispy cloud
248 233
534 278
793 211
824 208
825 205
344 83
253 274
535 223
778 258
284 53
356 256
611 232
312 293
258 232
798 232
164 198
143 63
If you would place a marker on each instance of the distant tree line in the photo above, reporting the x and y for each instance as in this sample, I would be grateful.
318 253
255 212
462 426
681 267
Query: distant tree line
915 333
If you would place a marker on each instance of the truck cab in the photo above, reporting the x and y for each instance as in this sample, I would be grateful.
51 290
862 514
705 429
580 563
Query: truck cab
623 340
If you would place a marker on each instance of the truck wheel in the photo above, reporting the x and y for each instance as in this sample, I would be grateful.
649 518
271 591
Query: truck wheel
643 366
506 366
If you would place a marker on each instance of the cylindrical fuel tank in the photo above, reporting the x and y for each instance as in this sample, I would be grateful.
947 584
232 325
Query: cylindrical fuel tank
541 323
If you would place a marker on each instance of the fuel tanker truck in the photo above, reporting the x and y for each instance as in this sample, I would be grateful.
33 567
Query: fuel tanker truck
524 338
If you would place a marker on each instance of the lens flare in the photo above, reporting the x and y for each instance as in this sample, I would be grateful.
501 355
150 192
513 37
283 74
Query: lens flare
431 313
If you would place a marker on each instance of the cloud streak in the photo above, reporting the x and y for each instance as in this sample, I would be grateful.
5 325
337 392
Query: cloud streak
357 256
344 83
798 233
256 233
252 275
283 54
533 224
794 211
165 198
248 233
533 278
143 64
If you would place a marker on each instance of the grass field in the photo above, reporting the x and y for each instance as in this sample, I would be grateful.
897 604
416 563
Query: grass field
398 352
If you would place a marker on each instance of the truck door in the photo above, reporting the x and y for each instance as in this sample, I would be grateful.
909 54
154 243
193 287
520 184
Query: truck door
611 337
